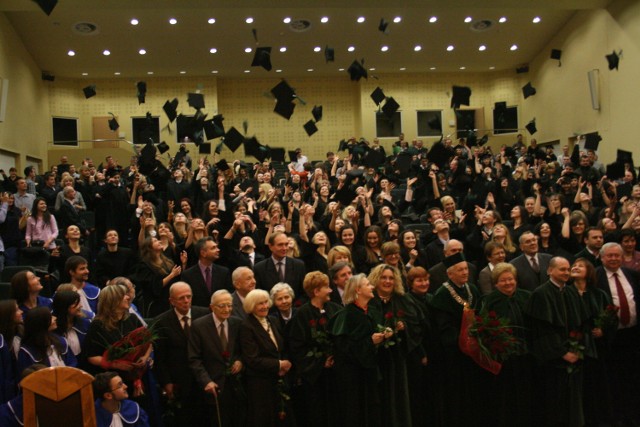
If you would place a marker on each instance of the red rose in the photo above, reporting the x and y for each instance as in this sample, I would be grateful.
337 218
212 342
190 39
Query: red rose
226 355
322 321
312 323
479 319
492 314
389 315
282 415
573 334
400 313
494 323
509 331
578 336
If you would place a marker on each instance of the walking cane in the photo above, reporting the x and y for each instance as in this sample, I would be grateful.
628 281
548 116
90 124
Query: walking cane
218 409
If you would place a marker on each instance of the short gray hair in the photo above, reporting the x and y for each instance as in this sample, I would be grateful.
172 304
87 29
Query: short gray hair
253 298
216 293
235 276
609 245
281 286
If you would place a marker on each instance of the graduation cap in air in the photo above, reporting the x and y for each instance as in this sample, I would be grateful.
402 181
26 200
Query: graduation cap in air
390 107
47 6
439 154
113 123
615 171
531 127
461 95
403 162
89 91
277 154
556 54
528 90
624 156
214 128
293 155
284 95
378 96
329 54
310 127
170 109
262 58
316 112
233 139
592 140
204 148
345 195
373 159
252 147
284 109
222 165
613 59
218 148
357 71
483 140
195 100
343 145
382 26
142 92
163 147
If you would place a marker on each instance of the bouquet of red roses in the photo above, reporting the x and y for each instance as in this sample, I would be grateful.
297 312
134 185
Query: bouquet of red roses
607 317
391 325
127 351
322 344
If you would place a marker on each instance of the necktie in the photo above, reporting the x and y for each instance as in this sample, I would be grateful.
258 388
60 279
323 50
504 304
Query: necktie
534 264
186 328
207 278
223 337
625 315
280 271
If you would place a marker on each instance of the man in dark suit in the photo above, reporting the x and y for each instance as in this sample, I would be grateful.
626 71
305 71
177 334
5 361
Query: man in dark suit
279 267
206 277
623 286
171 351
68 214
438 273
531 266
339 275
593 239
243 256
244 282
214 351
435 249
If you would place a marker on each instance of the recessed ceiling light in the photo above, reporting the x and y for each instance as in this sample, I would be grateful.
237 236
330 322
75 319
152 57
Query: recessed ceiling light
468 19
214 72
360 19
397 19
173 21
324 19
432 68
247 71
213 50
247 49
211 20
463 68
71 53
514 47
384 48
492 68
309 69
433 19
183 72
450 48
278 71
85 74
117 73
372 69
417 48
536 20
150 72
402 68
106 52
249 20
283 49
134 21
502 19
340 69
286 20
482 48
351 48
317 49
142 52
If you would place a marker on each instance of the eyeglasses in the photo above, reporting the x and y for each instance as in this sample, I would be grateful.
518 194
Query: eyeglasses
119 386
222 306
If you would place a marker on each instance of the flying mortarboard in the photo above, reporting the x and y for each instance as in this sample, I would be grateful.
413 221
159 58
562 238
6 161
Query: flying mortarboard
142 92
592 140
113 123
454 259
89 91
218 148
378 96
528 90
461 95
613 59
277 154
233 139
403 162
357 71
483 140
310 127
615 170
204 148
283 92
329 54
195 100
170 109
390 107
262 58
373 159
439 154
624 156
382 27
163 147
252 147
556 54
317 113
222 165
284 109
531 127
47 6
212 130
345 195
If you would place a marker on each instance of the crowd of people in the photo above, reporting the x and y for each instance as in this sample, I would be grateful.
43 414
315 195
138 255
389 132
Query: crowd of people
332 293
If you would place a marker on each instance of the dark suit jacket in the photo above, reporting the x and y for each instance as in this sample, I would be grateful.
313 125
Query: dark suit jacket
238 310
632 277
66 216
597 262
267 275
260 356
205 350
485 284
438 275
527 278
220 279
171 349
435 252
240 259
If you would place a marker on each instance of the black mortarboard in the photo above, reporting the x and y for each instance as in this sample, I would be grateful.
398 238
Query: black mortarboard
357 71
212 129
262 58
343 145
345 195
47 6
310 127
277 154
383 25
509 152
592 140
390 107
218 148
283 92
253 148
556 54
204 148
329 54
233 139
373 159
615 170
163 147
483 140
293 155
142 92
317 113
454 259
378 96
461 95
89 91
439 154
613 59
624 156
170 109
284 109
195 100
528 90
113 123
222 165
531 127
403 162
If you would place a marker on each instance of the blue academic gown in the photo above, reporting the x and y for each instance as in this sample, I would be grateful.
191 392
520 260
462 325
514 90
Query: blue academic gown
40 302
11 413
92 292
7 372
130 412
27 357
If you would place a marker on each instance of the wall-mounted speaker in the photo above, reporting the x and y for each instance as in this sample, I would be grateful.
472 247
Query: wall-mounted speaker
594 88
48 77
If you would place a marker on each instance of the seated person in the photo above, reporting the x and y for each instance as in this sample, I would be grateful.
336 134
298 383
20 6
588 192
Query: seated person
112 406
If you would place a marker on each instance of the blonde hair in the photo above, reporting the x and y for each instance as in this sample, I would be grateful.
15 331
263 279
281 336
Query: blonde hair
109 301
335 252
508 243
350 288
376 274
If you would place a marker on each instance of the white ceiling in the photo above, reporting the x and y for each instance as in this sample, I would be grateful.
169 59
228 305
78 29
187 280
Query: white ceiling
185 46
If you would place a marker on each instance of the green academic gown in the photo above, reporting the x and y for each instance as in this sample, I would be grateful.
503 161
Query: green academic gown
555 313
